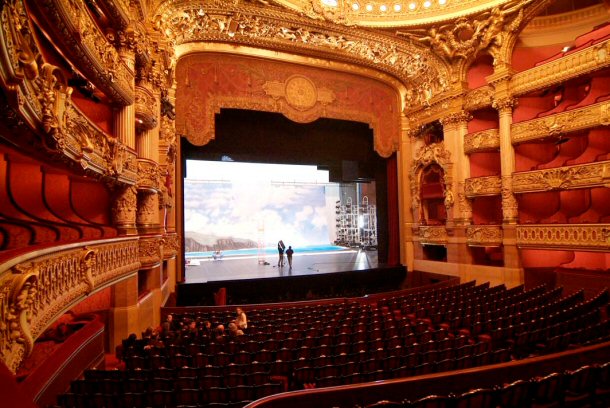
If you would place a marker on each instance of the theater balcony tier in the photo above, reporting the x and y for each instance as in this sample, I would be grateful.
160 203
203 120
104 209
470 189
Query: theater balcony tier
577 62
553 126
484 235
38 287
563 178
483 141
588 237
483 186
89 48
432 234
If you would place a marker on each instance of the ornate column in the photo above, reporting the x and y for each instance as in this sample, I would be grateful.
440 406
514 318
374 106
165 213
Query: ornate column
124 117
459 215
124 210
509 202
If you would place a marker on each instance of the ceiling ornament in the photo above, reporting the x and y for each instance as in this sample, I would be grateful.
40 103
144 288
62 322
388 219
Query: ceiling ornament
467 37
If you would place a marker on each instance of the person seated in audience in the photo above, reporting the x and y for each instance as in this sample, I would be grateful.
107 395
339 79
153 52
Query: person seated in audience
168 325
234 331
219 334
241 320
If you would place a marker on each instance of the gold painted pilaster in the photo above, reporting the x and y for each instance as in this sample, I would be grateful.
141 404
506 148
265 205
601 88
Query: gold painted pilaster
405 162
124 120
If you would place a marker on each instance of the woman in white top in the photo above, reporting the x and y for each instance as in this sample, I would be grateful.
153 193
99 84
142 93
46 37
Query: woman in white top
241 320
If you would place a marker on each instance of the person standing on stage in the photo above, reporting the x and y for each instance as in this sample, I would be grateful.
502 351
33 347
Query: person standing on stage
289 253
280 250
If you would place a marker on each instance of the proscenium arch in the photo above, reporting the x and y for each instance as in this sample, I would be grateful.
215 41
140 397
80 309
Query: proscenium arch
188 22
271 96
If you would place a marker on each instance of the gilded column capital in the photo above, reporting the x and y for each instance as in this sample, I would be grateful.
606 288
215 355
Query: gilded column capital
504 105
147 214
456 119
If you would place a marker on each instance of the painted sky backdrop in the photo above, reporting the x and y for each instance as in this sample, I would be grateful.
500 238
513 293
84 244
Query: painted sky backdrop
252 201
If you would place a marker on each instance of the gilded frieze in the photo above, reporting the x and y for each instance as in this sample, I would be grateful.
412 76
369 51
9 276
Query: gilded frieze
573 65
432 234
35 291
562 178
561 123
590 237
483 141
150 251
421 73
171 245
70 25
484 235
483 186
148 175
478 98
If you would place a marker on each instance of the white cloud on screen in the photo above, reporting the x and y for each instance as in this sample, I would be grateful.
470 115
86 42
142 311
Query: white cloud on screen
236 199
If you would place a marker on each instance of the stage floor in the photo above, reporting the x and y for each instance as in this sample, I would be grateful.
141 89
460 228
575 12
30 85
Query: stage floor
238 268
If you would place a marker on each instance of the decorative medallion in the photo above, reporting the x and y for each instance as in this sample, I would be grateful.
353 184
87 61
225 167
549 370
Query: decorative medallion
301 92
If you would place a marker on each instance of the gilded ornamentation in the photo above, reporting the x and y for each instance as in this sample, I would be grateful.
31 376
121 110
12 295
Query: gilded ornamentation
412 64
432 234
592 237
560 123
483 141
150 251
573 65
148 209
468 36
483 186
146 104
484 235
510 209
561 178
88 47
148 175
87 263
171 245
464 205
67 275
426 155
478 98
504 105
453 119
299 92
125 206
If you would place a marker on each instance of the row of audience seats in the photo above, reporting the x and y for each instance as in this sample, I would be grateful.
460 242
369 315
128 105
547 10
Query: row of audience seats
351 342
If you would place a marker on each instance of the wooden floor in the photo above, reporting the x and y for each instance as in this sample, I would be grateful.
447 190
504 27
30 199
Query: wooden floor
238 268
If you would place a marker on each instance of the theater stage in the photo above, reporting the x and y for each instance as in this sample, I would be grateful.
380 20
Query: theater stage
248 267
348 272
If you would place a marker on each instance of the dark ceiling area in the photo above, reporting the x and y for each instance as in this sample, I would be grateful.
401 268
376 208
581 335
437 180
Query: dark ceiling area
344 148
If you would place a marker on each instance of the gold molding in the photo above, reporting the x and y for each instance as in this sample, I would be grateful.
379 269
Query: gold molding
145 104
484 235
573 65
431 235
561 123
483 186
483 141
563 178
588 237
36 288
479 98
